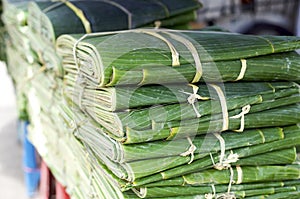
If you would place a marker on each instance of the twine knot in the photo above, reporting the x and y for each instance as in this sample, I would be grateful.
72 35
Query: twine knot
245 110
193 97
226 162
190 151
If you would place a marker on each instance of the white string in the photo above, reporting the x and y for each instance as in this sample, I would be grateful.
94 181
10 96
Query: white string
228 195
190 151
224 163
245 110
194 53
211 195
139 30
174 52
193 97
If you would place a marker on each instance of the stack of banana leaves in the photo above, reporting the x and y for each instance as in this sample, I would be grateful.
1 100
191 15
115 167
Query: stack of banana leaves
185 114
155 113
33 27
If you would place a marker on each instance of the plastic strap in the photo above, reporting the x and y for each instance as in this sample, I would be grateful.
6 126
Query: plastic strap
240 175
243 70
138 30
223 105
174 52
79 13
189 45
269 42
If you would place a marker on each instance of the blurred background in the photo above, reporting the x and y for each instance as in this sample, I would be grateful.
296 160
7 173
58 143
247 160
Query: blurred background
275 17
11 173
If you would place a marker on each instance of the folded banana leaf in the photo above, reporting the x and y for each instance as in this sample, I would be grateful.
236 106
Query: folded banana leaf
290 140
57 146
197 194
166 192
250 175
136 169
288 195
281 116
118 152
146 56
180 120
123 98
105 181
132 171
113 180
45 18
48 20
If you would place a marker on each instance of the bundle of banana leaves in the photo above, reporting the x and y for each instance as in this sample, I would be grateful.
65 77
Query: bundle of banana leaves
139 119
96 165
48 20
151 56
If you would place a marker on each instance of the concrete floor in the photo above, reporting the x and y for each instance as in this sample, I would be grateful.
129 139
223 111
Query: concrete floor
11 174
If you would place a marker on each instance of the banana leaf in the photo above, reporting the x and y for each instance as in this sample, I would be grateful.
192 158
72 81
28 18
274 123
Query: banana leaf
280 116
290 140
45 18
122 98
134 170
115 180
127 153
166 192
137 121
250 175
110 58
111 190
287 195
282 192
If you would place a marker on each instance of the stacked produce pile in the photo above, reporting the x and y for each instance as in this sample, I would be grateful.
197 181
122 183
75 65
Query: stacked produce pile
153 113
187 114
33 27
